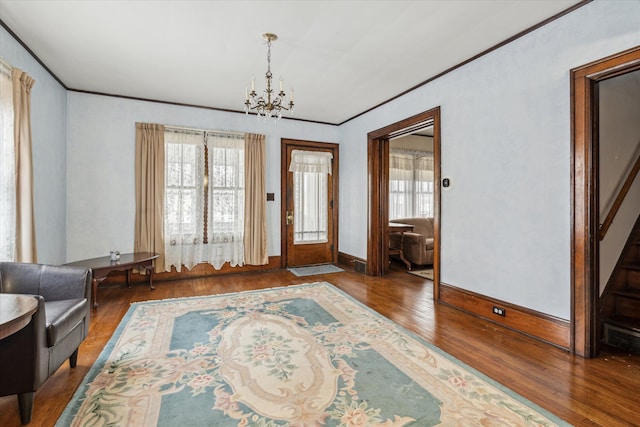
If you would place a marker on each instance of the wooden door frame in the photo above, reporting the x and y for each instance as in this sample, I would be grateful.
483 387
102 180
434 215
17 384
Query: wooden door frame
584 188
378 179
284 169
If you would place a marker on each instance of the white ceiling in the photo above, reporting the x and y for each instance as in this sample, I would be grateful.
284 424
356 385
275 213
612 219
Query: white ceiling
342 57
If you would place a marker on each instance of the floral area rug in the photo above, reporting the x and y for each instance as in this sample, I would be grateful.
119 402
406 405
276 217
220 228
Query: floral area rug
298 356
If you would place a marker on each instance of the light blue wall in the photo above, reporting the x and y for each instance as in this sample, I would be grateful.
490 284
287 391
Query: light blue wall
101 150
506 218
49 127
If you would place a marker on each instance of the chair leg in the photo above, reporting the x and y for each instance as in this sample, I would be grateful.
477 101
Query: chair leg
25 403
73 359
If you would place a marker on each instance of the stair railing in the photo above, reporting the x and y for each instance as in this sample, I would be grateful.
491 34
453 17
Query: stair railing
604 227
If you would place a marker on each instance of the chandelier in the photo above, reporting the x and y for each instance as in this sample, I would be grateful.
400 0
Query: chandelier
267 105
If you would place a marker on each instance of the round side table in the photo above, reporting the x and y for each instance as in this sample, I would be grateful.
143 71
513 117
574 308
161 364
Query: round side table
15 312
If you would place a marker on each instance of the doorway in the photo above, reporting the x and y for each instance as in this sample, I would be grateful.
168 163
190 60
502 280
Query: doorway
585 221
378 173
309 209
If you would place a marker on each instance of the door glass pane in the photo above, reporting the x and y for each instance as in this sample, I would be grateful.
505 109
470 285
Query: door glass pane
310 199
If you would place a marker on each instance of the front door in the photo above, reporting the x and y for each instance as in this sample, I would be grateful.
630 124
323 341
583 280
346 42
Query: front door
309 214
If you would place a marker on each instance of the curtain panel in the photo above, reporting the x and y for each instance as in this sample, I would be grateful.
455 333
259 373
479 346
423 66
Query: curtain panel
150 177
410 184
7 167
255 207
25 220
226 169
311 161
401 191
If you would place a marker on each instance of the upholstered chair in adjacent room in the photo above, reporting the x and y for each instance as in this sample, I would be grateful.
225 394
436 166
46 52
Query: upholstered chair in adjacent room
416 245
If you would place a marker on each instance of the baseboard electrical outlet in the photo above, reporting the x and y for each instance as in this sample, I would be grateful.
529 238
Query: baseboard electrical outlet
499 311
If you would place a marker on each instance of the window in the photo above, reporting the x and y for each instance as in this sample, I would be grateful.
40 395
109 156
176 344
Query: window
310 195
423 186
227 190
204 198
310 201
410 184
183 160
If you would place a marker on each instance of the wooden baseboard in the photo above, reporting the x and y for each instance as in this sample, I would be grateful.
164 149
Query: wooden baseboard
538 325
349 261
200 270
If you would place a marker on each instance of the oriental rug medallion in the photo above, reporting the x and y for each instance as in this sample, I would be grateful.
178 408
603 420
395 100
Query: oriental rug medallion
298 356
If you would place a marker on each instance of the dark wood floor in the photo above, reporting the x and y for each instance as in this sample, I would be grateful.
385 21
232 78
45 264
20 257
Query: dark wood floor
596 392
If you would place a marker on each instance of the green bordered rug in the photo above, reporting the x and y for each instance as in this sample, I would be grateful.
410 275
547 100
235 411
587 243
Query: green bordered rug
298 356
312 270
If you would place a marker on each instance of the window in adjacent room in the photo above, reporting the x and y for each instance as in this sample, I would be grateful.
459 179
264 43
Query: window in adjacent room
410 184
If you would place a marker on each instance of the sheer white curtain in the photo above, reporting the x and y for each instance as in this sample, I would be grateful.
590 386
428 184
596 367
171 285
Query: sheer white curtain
310 195
184 198
226 200
204 200
410 184
423 206
311 161
401 193
7 168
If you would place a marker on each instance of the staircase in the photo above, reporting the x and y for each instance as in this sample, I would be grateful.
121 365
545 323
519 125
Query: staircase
620 303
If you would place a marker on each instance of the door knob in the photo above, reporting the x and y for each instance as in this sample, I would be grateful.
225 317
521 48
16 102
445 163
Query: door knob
289 217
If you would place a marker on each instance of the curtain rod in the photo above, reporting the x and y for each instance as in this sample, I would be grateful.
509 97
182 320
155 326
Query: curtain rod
6 65
411 152
184 128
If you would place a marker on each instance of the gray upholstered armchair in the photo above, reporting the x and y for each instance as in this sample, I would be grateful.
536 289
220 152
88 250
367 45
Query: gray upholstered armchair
61 322
417 245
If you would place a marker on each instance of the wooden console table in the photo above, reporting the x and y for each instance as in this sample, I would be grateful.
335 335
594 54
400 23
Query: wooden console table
396 227
102 266
15 312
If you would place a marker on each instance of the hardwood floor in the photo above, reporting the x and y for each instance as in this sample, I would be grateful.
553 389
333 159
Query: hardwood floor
584 392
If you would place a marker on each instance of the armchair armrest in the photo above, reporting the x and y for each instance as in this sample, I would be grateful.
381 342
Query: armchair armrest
419 240
418 248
